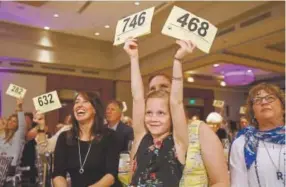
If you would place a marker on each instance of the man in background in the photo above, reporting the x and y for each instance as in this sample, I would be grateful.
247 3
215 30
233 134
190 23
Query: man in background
113 115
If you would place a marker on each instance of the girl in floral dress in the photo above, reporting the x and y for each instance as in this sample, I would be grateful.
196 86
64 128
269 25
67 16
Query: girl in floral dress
160 125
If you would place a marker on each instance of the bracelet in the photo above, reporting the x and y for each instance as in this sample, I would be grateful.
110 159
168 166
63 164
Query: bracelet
41 130
177 78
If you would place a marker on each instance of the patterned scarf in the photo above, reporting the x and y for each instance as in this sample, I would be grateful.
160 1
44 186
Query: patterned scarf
253 136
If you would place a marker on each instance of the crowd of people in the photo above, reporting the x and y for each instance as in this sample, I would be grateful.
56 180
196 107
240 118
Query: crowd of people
167 149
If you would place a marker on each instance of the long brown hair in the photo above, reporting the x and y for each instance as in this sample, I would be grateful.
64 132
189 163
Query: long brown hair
269 88
9 133
97 129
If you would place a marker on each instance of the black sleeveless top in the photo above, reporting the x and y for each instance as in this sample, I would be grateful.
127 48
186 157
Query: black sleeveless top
156 164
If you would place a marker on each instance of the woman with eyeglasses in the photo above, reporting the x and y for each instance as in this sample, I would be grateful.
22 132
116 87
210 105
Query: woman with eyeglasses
257 157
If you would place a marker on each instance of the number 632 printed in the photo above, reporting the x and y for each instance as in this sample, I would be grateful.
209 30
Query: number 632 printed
47 102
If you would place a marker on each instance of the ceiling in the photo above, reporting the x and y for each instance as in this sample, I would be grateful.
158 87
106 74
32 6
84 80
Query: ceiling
82 18
251 34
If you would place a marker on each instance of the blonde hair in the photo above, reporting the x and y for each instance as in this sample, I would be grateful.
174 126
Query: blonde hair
160 94
9 133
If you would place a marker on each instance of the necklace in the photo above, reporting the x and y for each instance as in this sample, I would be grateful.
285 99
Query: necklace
277 167
81 170
279 174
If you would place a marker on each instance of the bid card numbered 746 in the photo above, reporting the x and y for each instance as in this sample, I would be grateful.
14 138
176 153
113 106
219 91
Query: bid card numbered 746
135 25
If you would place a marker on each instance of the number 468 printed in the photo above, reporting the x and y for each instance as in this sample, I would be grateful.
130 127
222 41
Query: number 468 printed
184 25
194 24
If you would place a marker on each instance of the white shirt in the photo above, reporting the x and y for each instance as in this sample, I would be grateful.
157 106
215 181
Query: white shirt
241 177
114 127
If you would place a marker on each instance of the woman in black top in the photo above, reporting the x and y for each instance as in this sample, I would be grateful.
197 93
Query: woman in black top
159 124
88 152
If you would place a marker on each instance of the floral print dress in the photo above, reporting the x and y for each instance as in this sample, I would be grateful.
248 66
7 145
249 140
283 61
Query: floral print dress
156 164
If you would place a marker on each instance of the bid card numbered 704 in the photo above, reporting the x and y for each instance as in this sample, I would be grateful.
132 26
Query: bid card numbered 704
184 25
47 102
135 25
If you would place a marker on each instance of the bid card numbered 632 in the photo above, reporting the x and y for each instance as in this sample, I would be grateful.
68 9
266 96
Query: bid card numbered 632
184 25
47 102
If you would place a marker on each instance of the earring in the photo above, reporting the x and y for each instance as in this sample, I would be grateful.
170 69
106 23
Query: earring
253 121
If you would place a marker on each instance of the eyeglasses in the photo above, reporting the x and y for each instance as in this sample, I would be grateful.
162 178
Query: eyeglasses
269 99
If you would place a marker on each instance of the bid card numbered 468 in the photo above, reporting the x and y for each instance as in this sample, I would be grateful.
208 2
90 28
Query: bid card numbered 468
135 25
16 91
47 102
184 25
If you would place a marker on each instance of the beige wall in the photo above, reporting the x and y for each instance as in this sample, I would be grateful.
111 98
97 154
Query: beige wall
233 99
50 47
123 93
34 84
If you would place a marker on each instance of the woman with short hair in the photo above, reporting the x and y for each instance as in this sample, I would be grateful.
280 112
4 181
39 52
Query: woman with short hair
257 157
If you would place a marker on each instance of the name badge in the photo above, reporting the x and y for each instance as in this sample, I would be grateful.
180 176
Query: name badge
184 25
16 91
135 25
47 102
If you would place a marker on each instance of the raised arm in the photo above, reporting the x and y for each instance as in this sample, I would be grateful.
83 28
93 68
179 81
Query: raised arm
180 128
19 137
39 119
137 89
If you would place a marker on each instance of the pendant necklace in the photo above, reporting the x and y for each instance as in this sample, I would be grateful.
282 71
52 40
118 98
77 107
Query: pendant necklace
81 170
279 174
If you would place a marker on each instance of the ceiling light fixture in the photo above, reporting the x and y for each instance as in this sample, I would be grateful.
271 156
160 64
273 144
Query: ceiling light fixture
107 26
216 65
97 34
191 79
47 28
137 3
239 77
222 83
56 15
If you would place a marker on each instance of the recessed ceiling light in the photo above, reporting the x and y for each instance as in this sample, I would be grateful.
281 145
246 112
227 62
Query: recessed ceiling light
107 26
216 65
96 34
222 83
191 79
137 3
249 71
47 28
56 15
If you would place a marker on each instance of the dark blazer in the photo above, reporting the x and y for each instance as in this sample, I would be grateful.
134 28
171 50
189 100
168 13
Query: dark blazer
125 134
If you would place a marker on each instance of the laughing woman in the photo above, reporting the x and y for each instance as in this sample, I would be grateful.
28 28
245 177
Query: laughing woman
88 151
